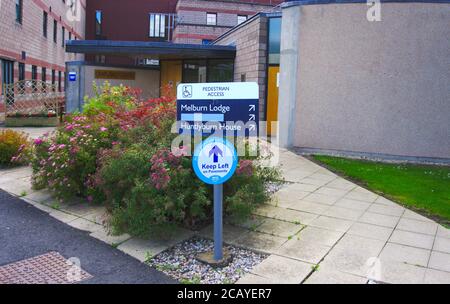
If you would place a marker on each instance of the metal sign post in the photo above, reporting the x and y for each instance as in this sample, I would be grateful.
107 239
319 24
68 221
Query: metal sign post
215 161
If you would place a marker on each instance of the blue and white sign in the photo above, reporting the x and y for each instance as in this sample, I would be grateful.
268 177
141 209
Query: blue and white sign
209 107
215 160
72 76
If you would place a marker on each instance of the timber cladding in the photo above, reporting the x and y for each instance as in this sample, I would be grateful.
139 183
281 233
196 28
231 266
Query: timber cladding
115 74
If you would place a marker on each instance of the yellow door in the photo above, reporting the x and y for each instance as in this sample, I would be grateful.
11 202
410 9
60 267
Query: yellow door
171 72
272 98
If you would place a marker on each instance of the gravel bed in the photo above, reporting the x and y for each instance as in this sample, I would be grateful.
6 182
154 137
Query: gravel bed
180 263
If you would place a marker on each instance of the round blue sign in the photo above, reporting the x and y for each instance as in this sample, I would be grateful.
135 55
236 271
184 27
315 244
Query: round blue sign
215 160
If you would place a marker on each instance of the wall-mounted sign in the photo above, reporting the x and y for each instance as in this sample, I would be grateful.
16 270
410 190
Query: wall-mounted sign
115 74
215 161
207 107
72 76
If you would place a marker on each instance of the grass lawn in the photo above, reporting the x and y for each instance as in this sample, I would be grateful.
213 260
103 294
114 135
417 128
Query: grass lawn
424 188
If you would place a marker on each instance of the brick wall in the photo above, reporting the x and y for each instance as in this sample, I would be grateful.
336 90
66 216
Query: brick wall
192 27
250 40
28 37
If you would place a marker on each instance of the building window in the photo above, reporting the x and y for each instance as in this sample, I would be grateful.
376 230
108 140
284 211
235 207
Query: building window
7 75
45 24
70 35
194 71
19 11
98 23
274 40
22 75
206 41
53 80
44 78
55 31
100 59
158 25
220 70
242 19
211 18
63 37
59 81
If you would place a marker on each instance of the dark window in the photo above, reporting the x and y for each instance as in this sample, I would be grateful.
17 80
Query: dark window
19 11
21 71
70 35
34 76
53 80
59 81
220 70
45 24
55 31
194 71
98 23
206 41
274 40
63 37
44 78
7 75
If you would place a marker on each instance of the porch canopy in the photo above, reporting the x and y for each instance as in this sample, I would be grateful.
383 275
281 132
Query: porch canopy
154 50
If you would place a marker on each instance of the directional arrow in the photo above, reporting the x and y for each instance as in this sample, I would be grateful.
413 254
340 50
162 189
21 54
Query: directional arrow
252 117
252 128
216 152
252 108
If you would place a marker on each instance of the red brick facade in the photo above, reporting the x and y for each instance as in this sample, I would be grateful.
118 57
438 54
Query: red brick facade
24 42
192 26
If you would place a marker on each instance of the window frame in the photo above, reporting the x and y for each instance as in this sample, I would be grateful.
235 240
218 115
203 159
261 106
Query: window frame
157 25
45 24
19 11
209 14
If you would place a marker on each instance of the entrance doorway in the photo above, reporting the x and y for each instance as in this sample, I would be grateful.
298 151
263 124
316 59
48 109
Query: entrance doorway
171 75
273 83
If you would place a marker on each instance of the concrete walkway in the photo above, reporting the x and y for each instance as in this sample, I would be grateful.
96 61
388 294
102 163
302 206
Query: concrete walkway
320 228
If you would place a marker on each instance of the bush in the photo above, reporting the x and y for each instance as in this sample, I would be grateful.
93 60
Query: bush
117 153
14 148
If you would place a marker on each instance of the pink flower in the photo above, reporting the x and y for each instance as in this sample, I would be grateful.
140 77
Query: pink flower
38 142
103 129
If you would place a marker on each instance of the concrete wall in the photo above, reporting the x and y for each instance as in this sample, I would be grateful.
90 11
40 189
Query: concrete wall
146 80
251 54
369 87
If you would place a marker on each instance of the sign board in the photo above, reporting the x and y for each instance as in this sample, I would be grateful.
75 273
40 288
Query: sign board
72 76
209 107
114 74
215 160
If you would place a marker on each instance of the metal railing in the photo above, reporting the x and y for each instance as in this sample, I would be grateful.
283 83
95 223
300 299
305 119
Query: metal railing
33 97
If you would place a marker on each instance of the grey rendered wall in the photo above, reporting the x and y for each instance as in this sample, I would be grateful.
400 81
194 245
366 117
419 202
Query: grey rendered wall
371 87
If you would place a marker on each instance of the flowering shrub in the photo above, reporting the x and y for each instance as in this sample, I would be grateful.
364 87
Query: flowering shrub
117 153
14 148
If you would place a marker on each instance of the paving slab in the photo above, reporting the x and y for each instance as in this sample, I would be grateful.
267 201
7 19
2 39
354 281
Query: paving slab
418 226
371 231
440 261
436 277
279 228
341 184
313 181
328 275
443 232
387 210
261 242
104 236
343 213
299 187
353 204
401 273
40 196
352 254
285 199
283 270
309 207
230 233
415 216
442 244
84 225
305 251
295 175
405 254
320 236
331 191
62 216
379 219
412 239
332 223
321 199
294 216
362 196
